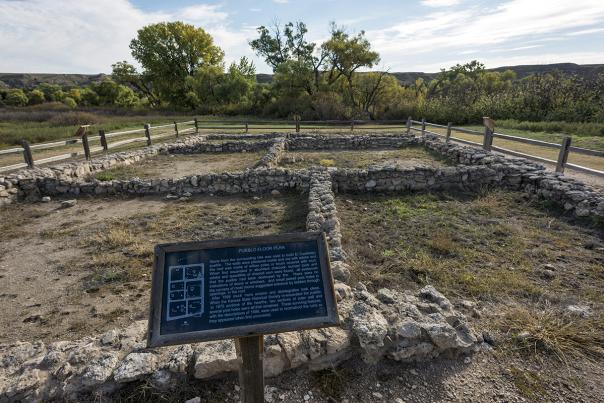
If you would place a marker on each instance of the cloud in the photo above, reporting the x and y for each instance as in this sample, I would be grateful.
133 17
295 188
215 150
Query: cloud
484 28
514 60
84 36
440 3
281 1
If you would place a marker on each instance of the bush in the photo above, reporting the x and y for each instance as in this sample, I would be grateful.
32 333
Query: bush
36 97
16 97
70 102
74 119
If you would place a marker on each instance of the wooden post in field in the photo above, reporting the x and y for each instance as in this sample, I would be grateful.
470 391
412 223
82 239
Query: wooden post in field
563 155
489 129
86 146
103 140
352 125
251 372
409 122
297 119
196 125
176 129
448 137
247 130
29 159
423 126
148 133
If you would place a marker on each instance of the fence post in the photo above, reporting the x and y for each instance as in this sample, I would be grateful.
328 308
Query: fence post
196 125
246 128
409 121
352 125
29 159
423 126
563 156
489 129
297 119
176 128
86 146
103 140
448 132
148 133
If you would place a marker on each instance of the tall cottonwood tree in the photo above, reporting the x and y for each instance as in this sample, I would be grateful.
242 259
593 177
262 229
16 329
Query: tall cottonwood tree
168 52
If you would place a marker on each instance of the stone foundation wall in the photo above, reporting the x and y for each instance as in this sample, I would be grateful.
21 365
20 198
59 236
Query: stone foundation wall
475 168
405 327
250 181
273 156
352 142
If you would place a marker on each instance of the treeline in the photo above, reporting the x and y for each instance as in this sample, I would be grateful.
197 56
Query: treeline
182 69
104 93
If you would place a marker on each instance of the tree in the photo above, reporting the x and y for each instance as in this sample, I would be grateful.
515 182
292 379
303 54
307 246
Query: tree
36 97
52 92
89 97
347 54
210 88
16 97
126 74
288 52
70 102
169 52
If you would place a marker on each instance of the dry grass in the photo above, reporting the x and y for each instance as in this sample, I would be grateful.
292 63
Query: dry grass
487 246
550 331
410 156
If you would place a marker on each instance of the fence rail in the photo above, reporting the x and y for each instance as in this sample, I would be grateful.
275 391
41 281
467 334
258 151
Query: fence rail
150 134
102 138
489 133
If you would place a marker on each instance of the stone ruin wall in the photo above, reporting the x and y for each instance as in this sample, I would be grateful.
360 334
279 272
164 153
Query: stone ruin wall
402 326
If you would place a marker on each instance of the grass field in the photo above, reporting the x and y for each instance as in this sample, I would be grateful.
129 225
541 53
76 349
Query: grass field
42 126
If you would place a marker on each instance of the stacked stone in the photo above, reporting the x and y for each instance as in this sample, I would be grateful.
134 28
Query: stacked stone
8 191
515 173
226 147
249 181
273 156
349 142
404 327
322 213
259 136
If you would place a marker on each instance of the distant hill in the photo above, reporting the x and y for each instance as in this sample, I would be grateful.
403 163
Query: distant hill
27 80
585 70
30 80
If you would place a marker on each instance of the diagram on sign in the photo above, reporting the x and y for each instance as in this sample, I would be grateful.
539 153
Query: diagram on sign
186 291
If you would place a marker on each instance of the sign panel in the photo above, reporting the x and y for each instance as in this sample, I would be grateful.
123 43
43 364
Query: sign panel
240 287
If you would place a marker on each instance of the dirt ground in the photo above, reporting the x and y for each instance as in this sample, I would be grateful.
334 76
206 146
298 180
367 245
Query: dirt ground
68 273
483 378
405 157
175 166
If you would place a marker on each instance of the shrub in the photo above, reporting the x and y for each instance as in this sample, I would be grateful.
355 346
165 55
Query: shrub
36 97
74 119
16 97
70 102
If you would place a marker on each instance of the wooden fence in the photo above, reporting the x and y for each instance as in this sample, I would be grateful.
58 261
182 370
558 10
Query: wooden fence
104 143
564 148
175 129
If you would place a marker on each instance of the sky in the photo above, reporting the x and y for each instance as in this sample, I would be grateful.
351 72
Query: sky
87 36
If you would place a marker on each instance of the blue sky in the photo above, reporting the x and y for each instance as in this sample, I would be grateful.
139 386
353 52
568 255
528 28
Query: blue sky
87 36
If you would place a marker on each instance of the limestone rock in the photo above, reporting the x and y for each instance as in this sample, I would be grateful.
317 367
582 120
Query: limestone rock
340 271
135 366
214 358
370 328
69 203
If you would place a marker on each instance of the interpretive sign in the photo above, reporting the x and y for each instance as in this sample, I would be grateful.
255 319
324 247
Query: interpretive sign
240 287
